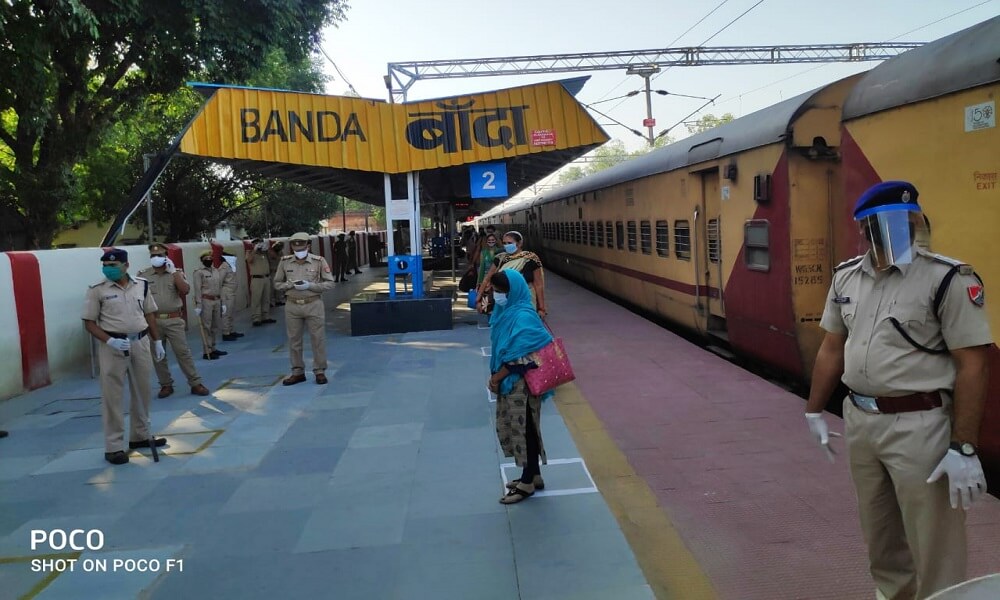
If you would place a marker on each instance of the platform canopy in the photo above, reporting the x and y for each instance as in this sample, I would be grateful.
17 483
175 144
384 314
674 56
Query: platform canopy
344 144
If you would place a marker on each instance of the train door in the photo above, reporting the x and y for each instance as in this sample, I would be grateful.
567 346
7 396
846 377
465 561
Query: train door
709 252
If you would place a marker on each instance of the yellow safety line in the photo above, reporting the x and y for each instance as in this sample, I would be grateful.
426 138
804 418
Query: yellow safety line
45 581
670 568
215 435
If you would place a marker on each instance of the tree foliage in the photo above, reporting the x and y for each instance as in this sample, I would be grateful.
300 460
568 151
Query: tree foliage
72 68
607 156
707 122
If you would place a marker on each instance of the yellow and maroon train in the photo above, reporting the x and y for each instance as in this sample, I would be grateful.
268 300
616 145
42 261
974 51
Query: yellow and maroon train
734 232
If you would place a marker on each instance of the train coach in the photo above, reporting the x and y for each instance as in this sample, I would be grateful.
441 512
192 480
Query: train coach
734 233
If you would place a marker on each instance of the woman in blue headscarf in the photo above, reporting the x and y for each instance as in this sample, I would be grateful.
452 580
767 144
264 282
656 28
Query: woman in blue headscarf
517 333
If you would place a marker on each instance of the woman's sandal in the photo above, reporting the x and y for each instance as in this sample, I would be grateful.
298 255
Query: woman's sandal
517 494
537 480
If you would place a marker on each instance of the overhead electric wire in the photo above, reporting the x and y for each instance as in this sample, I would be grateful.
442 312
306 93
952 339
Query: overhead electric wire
635 131
339 72
939 20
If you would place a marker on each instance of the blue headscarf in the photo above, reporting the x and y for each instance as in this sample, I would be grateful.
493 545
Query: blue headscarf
516 330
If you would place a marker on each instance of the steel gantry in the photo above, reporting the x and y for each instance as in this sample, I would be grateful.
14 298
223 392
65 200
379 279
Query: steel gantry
402 75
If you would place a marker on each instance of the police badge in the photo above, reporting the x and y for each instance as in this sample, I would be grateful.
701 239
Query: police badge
976 294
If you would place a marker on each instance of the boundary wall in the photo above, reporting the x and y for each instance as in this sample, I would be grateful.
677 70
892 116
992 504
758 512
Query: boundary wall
41 298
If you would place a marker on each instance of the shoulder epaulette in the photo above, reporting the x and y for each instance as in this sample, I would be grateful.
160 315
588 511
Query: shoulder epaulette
963 268
285 256
93 285
137 278
849 263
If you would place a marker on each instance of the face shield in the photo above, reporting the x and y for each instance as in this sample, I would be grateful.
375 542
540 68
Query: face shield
891 231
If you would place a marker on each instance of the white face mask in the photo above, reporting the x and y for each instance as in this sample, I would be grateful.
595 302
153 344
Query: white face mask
158 261
500 298
300 254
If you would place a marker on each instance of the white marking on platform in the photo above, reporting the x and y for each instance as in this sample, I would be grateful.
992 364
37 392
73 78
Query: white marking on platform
547 492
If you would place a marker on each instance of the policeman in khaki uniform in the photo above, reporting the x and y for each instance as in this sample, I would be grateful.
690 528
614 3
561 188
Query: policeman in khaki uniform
228 268
167 285
907 334
273 258
120 312
260 283
208 304
304 277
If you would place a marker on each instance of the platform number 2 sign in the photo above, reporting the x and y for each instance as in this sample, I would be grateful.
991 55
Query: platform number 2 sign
488 180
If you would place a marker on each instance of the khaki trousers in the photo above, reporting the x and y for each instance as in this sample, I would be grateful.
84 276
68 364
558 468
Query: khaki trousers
227 319
309 316
174 333
114 365
211 320
916 540
260 298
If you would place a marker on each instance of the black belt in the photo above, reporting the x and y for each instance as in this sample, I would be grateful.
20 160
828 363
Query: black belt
258 276
128 336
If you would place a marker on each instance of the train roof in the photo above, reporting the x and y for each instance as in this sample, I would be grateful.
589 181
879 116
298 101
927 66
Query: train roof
960 61
766 126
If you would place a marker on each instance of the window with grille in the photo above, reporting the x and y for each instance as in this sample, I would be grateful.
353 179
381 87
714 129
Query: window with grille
662 238
714 241
593 234
646 237
620 234
599 231
629 197
757 245
631 236
682 240
577 235
609 233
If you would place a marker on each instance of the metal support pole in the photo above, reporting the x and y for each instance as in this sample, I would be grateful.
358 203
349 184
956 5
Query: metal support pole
451 242
649 111
343 213
148 200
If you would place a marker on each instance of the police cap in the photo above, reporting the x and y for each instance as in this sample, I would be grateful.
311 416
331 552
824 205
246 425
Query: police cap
114 254
299 237
205 253
157 248
899 194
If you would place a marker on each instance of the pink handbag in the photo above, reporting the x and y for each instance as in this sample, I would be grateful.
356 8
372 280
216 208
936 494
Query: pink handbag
553 369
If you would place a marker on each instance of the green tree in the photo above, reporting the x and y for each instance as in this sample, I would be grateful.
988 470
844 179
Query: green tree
571 173
71 68
276 208
707 122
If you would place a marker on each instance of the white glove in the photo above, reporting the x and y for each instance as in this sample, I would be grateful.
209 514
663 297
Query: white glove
965 477
160 353
171 268
197 310
120 344
821 433
302 286
223 309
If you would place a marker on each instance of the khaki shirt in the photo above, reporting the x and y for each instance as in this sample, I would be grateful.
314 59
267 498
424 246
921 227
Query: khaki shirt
312 269
207 280
228 279
878 361
117 309
258 263
164 289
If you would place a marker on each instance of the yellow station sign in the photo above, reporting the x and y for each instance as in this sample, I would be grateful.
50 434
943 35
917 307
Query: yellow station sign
371 135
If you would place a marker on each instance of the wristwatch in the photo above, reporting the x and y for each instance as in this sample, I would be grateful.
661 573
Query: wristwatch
963 448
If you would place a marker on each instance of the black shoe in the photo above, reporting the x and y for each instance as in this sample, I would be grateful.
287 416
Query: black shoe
356 272
218 353
145 443
116 458
257 323
3 434
230 337
268 321
211 356
237 334
279 303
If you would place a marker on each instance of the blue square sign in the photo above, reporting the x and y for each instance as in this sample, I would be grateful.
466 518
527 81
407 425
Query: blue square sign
488 180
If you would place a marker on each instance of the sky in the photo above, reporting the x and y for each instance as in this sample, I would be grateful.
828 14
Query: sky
377 32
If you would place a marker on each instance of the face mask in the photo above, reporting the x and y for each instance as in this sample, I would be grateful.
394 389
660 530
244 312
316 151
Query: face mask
158 261
113 273
510 248
491 244
207 263
500 298
300 254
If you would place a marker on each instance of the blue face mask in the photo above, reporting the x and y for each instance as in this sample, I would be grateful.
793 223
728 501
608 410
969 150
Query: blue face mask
500 298
113 273
510 248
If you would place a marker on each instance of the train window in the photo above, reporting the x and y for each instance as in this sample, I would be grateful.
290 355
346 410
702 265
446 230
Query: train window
714 241
578 237
593 233
756 242
682 240
620 234
629 197
631 236
609 234
599 232
646 237
662 238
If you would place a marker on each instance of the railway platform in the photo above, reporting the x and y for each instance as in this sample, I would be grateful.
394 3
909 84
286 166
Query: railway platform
672 474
